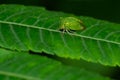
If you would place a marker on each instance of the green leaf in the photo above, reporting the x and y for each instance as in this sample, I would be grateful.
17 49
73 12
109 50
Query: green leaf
21 65
36 29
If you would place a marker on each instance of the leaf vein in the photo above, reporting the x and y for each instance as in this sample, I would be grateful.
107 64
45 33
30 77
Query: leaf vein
77 35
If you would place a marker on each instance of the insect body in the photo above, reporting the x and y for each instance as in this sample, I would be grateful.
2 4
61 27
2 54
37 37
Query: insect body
71 24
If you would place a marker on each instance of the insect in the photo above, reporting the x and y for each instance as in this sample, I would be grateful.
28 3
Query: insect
69 24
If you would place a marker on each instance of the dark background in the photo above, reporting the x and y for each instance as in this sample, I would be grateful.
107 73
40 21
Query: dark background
100 9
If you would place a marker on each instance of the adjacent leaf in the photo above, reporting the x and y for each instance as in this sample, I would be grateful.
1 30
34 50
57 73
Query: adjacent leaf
21 65
34 28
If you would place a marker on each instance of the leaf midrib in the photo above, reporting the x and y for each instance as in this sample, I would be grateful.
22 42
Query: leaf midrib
18 75
32 26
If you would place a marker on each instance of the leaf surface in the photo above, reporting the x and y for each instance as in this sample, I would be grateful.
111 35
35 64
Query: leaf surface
34 28
24 66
